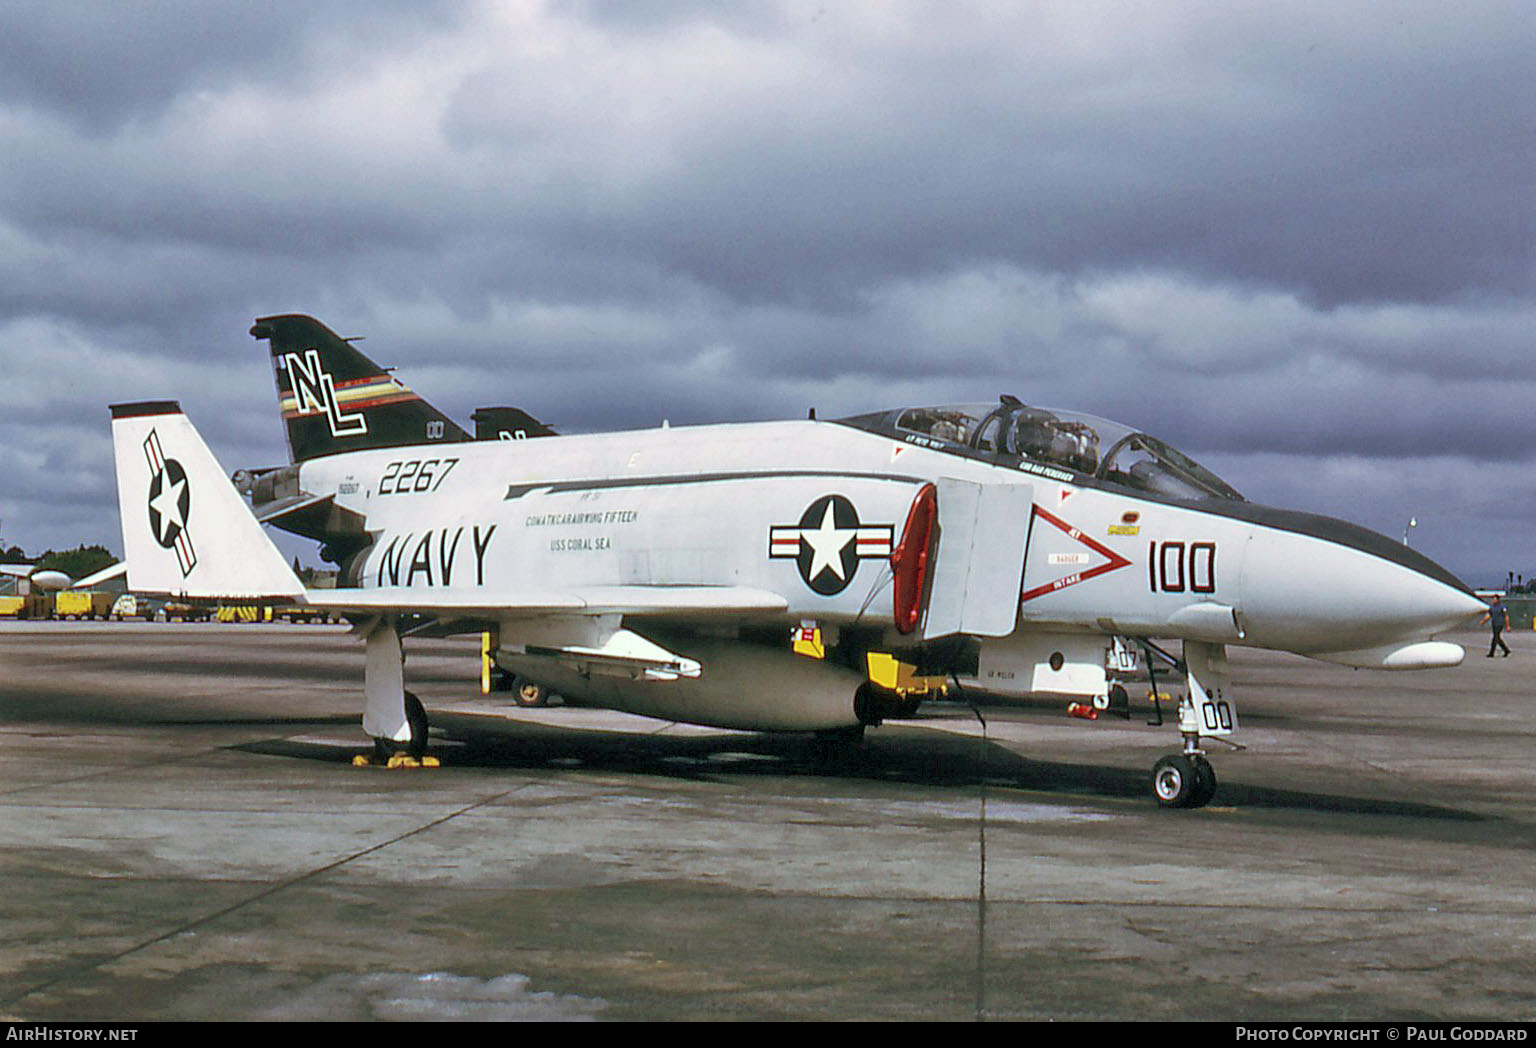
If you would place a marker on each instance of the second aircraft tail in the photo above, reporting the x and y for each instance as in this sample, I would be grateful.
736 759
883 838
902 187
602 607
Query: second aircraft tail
335 399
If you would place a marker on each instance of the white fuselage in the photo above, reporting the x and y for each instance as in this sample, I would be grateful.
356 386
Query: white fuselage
728 505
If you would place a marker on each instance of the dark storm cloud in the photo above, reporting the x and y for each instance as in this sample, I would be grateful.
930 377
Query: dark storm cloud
1349 162
660 16
1296 239
98 65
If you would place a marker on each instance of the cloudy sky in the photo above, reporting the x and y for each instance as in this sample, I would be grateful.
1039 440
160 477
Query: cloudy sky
1294 239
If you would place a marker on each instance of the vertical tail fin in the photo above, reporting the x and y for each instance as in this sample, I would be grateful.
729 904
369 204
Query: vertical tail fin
186 531
336 399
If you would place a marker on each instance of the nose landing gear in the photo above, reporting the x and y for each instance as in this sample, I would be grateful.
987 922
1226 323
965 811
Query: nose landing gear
1186 779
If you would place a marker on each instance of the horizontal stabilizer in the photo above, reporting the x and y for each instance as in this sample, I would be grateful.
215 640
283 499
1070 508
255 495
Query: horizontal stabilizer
110 572
282 509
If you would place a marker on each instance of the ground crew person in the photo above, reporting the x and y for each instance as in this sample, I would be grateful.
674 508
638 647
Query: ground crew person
1497 617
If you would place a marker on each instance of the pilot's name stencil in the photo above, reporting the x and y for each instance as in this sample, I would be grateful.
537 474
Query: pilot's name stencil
170 504
410 559
828 543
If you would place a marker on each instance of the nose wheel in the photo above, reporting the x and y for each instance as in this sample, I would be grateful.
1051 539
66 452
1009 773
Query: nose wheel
1183 780
1186 779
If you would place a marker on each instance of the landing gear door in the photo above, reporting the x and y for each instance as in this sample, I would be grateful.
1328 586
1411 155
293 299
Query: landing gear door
979 563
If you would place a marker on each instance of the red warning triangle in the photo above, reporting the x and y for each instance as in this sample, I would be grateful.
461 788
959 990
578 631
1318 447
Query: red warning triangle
1113 561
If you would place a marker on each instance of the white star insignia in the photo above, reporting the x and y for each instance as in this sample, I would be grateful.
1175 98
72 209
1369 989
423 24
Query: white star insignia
167 504
827 544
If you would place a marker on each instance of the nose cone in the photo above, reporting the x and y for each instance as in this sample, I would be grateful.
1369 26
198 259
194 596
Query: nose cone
1412 601
1315 584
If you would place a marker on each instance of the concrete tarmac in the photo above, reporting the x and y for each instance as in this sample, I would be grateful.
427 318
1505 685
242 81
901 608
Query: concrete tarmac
187 839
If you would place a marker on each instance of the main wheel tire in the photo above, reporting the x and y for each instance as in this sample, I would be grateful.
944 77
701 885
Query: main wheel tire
1205 785
1176 781
872 703
416 717
837 750
530 694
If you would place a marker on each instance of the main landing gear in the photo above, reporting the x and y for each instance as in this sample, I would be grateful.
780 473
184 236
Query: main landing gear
1186 779
838 749
529 694
393 716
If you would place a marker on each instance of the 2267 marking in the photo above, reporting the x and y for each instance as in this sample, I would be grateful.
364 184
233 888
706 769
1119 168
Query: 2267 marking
415 476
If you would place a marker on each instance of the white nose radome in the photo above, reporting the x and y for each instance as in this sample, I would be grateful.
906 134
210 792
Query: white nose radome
1335 588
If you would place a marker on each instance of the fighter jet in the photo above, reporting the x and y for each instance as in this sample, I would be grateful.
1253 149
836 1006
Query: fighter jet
49 580
666 571
46 580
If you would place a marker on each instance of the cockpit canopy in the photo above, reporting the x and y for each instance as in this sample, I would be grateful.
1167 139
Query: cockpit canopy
1016 434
